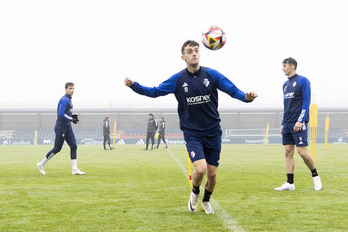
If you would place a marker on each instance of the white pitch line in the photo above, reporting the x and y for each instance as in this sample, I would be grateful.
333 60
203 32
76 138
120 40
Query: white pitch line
183 169
229 222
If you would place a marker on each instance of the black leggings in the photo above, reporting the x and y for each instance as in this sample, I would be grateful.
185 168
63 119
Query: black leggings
161 136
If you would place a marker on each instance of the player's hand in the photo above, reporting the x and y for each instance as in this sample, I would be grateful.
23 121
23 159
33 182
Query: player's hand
298 126
75 118
250 96
281 130
128 82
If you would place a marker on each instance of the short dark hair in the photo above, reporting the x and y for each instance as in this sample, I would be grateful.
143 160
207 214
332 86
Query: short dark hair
68 84
150 114
290 61
190 43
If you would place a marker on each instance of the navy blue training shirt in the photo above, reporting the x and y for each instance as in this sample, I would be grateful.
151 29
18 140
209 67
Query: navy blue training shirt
64 110
297 98
197 97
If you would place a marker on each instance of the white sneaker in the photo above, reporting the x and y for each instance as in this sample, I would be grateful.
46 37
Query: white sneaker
286 186
193 202
317 183
207 207
41 168
78 172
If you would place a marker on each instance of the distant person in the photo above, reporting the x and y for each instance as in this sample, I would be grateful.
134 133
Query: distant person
161 133
64 131
196 90
151 131
106 133
297 98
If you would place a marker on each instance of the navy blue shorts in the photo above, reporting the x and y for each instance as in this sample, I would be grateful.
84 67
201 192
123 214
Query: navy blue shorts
290 137
204 147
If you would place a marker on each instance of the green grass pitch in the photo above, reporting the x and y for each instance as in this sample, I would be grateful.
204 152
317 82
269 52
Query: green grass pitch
128 189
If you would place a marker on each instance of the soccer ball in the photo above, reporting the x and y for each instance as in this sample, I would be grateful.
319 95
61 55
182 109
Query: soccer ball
214 38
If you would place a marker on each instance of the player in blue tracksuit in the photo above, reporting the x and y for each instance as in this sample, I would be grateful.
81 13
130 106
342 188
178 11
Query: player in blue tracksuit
294 130
63 131
196 90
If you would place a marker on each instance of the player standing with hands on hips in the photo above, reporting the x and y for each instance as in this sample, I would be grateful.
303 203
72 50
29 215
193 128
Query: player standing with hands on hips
297 98
64 131
196 90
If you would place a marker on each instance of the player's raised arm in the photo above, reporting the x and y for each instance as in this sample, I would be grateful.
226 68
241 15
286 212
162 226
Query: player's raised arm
166 87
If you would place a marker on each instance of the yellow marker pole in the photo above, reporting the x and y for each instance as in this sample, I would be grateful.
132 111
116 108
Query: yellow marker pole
313 124
327 122
189 169
267 130
114 132
35 142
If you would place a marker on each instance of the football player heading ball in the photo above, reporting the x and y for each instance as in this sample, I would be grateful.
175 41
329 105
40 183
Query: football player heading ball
196 90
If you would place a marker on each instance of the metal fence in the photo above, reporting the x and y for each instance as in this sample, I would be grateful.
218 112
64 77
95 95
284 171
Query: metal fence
239 125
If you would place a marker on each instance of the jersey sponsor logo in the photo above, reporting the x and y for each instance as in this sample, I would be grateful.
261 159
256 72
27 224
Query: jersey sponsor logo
206 82
289 95
198 99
